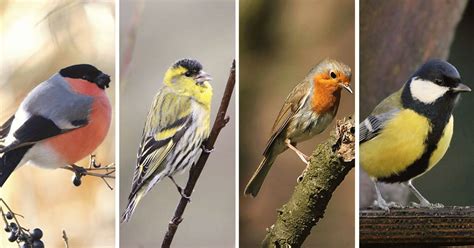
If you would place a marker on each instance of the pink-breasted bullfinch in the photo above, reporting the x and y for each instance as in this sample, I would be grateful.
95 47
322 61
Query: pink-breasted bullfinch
61 121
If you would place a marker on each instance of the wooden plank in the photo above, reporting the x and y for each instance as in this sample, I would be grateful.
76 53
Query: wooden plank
417 226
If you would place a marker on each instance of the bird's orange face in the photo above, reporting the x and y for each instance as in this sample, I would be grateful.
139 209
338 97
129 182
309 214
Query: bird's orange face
333 80
327 88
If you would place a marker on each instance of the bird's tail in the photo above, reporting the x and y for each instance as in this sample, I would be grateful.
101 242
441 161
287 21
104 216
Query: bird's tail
9 161
258 177
132 204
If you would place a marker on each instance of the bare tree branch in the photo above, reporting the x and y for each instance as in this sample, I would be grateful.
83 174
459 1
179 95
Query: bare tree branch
195 172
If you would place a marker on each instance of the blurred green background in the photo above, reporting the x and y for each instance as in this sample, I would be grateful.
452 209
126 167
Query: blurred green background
450 181
280 41
37 39
154 34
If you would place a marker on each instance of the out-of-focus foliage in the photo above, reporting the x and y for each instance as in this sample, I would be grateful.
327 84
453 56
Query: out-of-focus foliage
165 32
37 38
280 41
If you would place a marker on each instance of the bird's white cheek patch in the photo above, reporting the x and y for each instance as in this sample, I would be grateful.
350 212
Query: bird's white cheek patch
426 91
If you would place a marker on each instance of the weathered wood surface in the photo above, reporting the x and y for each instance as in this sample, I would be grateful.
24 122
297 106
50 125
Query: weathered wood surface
417 227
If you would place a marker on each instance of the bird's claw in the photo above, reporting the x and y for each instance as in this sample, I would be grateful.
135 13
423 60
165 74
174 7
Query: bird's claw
181 192
386 206
205 150
426 205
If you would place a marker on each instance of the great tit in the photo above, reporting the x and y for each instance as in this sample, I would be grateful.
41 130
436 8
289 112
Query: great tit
409 132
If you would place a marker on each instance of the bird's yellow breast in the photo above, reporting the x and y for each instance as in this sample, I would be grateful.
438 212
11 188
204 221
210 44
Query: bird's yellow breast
443 144
400 143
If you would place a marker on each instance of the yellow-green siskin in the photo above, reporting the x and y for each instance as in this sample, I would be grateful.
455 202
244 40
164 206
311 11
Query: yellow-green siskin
176 126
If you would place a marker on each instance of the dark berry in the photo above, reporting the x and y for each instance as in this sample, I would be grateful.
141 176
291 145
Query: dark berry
36 234
9 215
7 229
13 226
25 245
12 237
38 244
77 180
23 237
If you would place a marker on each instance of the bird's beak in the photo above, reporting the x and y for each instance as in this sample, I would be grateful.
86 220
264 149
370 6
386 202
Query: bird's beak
102 81
346 87
461 88
203 77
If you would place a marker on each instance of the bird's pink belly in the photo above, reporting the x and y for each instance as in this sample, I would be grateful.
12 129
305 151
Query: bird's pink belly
76 145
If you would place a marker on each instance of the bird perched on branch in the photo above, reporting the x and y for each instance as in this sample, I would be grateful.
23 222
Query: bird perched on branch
307 111
61 121
177 124
409 132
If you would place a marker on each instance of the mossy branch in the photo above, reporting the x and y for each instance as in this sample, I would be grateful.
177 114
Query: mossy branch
329 164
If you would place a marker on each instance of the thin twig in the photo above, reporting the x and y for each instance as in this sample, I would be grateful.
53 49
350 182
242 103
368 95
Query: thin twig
66 239
95 170
195 172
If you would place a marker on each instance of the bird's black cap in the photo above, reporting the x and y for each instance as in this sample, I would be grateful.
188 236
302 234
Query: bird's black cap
190 64
439 72
87 72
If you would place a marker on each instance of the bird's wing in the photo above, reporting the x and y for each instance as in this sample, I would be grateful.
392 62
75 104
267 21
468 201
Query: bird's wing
376 121
294 101
50 109
5 128
167 121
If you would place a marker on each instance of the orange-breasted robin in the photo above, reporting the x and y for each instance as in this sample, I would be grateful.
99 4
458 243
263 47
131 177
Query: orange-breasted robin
61 121
307 111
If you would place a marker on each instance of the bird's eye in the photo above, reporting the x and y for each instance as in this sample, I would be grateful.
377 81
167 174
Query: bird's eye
333 75
187 74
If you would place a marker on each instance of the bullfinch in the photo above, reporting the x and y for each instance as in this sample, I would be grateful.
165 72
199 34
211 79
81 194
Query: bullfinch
61 121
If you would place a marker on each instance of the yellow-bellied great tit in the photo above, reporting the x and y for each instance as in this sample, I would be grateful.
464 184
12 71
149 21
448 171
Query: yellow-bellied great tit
409 132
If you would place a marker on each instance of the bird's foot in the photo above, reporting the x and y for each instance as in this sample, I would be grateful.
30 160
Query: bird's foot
205 150
301 155
426 204
386 206
180 190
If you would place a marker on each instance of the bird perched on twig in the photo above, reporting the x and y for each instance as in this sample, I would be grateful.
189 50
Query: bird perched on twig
177 124
409 132
61 121
307 111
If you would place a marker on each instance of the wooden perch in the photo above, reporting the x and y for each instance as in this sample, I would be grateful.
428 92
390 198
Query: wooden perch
417 227
329 164
195 171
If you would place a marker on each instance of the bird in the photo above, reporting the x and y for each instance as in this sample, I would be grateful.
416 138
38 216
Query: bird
176 126
307 111
409 132
59 122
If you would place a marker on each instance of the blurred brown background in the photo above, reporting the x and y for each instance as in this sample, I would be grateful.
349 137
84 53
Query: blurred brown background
280 41
154 34
37 38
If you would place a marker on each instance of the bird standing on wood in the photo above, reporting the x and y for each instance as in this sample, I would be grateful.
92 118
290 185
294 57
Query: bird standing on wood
61 121
409 132
307 111
176 126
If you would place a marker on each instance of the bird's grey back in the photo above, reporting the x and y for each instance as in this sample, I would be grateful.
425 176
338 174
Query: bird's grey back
63 103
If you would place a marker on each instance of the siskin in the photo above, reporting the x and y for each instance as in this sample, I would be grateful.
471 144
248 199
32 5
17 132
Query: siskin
176 126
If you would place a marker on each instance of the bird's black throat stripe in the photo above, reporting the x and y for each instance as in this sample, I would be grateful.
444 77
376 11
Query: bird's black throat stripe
438 113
